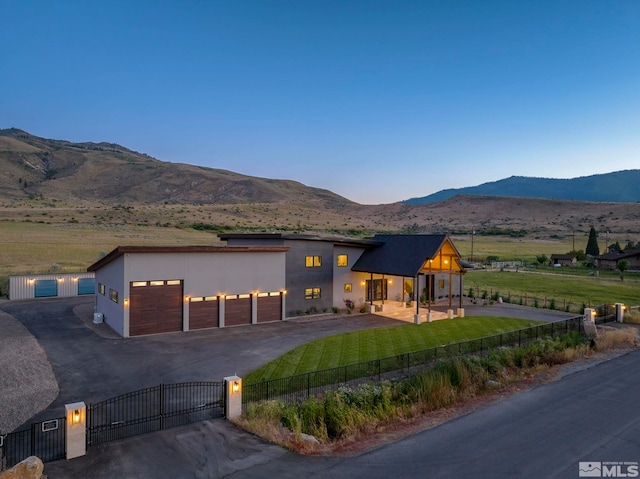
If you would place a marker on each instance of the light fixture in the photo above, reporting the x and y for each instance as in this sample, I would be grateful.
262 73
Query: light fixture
186 299
75 418
284 291
126 302
235 386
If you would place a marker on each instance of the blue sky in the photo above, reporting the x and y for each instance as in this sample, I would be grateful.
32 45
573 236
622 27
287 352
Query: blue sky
378 101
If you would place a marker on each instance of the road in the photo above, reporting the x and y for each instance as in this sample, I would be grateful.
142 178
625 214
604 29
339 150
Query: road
591 416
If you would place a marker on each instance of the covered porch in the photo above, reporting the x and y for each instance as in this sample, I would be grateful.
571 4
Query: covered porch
410 274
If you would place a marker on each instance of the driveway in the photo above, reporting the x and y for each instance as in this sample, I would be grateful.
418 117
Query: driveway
91 368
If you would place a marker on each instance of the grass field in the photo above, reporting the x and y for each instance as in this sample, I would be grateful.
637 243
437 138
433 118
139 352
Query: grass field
576 289
359 346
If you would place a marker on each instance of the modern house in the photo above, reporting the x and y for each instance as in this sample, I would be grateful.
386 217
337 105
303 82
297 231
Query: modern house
270 277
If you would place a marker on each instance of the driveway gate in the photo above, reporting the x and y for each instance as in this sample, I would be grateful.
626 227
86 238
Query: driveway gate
44 439
153 409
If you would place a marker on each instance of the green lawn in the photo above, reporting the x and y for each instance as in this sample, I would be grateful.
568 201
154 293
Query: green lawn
576 289
359 346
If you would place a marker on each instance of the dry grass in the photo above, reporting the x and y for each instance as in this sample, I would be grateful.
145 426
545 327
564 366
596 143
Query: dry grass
609 338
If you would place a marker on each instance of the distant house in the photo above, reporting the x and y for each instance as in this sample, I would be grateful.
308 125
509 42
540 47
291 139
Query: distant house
610 260
564 260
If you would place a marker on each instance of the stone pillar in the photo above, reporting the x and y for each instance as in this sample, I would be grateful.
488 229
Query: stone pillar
619 313
416 319
76 429
460 312
233 397
429 317
589 322
450 313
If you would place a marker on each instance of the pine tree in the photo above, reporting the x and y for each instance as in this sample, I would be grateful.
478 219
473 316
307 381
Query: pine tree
592 243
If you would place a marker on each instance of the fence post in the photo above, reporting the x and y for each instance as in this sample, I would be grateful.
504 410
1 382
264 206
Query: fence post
233 397
76 429
161 406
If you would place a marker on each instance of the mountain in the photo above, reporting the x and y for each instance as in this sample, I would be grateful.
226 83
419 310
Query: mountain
112 174
619 186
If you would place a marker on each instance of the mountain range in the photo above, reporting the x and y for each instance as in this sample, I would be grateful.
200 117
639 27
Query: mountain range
56 181
619 186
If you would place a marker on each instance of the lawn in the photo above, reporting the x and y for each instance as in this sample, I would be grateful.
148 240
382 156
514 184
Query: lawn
578 290
366 345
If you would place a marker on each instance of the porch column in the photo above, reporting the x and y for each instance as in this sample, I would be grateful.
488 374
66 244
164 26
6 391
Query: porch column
416 297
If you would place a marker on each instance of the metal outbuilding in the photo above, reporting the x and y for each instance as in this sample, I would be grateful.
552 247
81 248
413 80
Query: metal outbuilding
50 285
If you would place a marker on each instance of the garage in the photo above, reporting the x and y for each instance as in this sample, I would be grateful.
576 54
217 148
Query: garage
237 309
155 307
204 312
269 307
45 288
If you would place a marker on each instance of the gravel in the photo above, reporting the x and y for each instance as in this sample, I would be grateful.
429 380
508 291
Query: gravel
27 382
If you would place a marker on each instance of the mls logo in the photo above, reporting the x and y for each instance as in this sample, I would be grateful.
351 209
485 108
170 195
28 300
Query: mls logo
608 469
590 469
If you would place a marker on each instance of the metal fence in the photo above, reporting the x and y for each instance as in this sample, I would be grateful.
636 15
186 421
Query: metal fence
605 313
46 439
302 386
153 409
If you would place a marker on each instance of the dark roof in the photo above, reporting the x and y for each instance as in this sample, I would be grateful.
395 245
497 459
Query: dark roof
300 237
120 250
564 256
616 255
399 255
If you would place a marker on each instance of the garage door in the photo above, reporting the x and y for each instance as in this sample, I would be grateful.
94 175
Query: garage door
203 312
45 288
269 307
155 307
86 286
237 309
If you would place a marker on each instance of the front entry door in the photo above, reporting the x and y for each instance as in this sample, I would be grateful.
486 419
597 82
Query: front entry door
376 289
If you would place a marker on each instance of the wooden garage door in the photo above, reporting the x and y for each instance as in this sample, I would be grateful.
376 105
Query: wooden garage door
155 307
203 312
237 310
269 307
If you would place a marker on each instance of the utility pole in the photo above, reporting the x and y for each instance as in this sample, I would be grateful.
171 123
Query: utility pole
473 233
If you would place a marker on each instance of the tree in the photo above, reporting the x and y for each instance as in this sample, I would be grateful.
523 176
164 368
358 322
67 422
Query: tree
542 258
623 265
592 243
629 245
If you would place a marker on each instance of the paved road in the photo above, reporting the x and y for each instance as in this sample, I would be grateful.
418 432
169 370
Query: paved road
544 432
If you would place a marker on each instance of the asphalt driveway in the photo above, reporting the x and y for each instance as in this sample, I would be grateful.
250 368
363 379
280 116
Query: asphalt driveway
90 367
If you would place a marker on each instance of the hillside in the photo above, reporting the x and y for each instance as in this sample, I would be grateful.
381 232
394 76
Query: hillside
619 186
111 187
112 174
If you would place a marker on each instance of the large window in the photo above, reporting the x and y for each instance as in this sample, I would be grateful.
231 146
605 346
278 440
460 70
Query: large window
343 260
313 261
348 288
312 293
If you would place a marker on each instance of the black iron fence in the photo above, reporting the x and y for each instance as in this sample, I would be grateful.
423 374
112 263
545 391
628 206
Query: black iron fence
153 409
605 313
46 439
302 386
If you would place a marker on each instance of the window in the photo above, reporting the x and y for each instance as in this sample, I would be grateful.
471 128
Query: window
312 293
313 261
347 287
343 260
101 289
156 283
113 295
138 284
441 283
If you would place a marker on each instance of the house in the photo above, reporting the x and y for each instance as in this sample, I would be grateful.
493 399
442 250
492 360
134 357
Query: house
564 260
269 277
610 260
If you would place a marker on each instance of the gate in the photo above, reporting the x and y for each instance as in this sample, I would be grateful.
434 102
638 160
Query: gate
605 313
153 409
44 439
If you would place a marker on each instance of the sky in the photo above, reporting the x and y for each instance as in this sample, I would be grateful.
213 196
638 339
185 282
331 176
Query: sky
378 101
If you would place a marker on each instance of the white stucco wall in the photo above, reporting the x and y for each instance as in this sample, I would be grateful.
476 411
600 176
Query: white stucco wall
203 274
343 275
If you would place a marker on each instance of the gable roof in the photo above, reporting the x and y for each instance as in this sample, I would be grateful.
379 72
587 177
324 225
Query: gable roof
616 255
401 255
